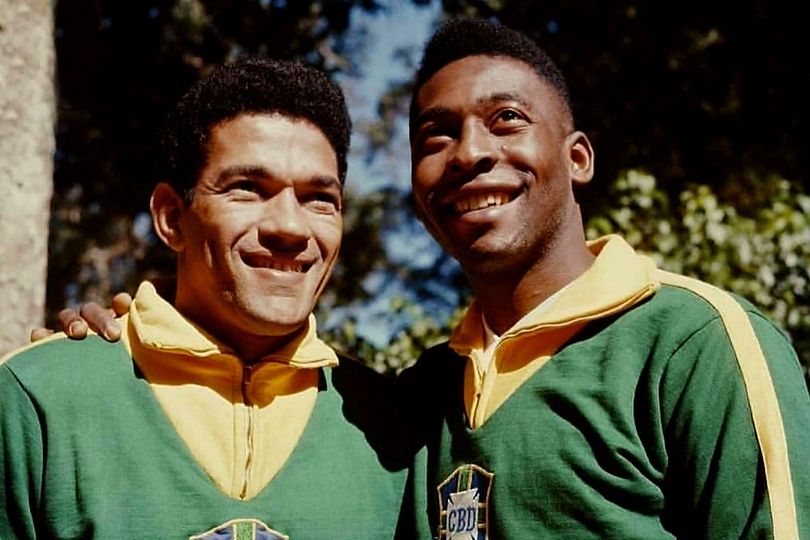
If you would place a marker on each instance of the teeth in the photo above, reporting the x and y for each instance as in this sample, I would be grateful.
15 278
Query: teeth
477 202
284 267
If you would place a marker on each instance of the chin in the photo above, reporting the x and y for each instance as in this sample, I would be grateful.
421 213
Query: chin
276 320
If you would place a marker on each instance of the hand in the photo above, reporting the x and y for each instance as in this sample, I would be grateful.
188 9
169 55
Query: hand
90 316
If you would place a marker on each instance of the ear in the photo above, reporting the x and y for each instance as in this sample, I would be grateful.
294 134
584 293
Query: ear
580 157
167 207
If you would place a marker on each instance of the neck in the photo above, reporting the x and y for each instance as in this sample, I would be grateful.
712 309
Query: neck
251 352
249 346
506 296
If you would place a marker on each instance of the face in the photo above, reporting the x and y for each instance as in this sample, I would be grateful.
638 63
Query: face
257 244
494 157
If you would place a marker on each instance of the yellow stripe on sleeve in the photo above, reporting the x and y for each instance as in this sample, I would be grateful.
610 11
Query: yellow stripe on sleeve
762 400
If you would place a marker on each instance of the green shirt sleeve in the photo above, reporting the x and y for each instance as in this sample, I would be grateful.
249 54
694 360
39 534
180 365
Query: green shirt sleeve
21 448
715 484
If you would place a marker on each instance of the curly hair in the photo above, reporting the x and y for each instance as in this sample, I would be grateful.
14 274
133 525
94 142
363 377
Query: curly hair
461 37
254 85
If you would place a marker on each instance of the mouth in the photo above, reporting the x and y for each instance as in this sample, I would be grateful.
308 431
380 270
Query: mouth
272 263
481 201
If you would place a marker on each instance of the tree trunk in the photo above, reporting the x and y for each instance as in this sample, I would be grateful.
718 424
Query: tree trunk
27 106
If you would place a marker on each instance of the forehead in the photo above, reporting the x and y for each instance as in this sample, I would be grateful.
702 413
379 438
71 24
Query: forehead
474 80
273 138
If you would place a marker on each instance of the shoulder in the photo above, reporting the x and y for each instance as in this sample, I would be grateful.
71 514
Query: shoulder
362 391
687 310
723 345
351 376
745 328
435 359
372 403
59 362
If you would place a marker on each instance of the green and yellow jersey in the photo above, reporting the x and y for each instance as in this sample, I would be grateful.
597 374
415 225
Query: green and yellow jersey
638 404
169 435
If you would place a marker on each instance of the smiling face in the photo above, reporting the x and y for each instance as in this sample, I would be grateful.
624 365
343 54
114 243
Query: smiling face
494 158
257 243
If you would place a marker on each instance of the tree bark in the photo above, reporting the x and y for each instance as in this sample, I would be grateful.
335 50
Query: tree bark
27 106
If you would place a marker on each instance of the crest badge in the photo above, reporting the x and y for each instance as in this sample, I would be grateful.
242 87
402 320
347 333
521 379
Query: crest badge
241 529
464 504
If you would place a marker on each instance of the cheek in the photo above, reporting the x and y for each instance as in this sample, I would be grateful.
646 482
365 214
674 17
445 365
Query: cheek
221 238
329 237
528 155
427 172
422 188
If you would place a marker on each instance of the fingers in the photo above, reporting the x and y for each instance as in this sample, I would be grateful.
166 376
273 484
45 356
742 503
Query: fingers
100 320
120 303
72 324
40 333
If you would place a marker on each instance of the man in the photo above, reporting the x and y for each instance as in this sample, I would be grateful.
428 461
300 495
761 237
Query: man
585 393
221 414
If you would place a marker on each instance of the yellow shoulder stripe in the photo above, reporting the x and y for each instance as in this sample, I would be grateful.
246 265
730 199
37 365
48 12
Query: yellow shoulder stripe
761 399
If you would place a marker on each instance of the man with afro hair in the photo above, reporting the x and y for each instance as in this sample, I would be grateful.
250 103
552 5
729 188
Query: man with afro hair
220 413
585 393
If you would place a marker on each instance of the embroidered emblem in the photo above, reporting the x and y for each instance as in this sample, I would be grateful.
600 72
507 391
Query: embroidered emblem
241 529
464 504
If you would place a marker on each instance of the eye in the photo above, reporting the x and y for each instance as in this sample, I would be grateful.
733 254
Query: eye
432 137
322 202
432 131
243 189
244 185
508 118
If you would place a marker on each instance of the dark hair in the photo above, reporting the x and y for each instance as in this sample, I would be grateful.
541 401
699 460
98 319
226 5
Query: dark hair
461 37
254 85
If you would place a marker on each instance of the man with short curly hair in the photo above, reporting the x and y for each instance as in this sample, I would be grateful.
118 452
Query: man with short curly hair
221 414
585 393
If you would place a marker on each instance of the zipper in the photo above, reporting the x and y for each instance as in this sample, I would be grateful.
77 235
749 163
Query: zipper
247 373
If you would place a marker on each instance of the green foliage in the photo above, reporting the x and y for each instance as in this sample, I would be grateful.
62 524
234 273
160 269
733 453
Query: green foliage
657 86
762 253
404 348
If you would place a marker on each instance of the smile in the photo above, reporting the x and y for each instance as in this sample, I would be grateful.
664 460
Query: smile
284 267
257 261
479 202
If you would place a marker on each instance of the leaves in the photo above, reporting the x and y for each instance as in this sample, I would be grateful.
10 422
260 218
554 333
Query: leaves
703 108
762 255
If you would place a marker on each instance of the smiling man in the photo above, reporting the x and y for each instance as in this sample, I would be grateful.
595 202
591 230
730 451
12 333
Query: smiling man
221 414
585 393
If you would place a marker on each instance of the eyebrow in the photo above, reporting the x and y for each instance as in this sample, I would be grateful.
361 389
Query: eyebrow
256 171
242 170
432 114
328 182
500 98
437 112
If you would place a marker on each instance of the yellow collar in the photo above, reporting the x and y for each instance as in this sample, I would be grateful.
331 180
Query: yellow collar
618 279
157 326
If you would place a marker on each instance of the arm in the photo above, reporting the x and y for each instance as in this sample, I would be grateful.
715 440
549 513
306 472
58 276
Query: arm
725 477
21 462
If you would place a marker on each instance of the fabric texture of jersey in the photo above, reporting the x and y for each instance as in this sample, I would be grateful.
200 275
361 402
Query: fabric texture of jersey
89 451
641 405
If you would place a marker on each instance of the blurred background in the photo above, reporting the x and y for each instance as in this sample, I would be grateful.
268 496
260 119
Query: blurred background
698 115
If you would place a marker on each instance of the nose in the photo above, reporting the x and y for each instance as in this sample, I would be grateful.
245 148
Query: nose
284 224
475 148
